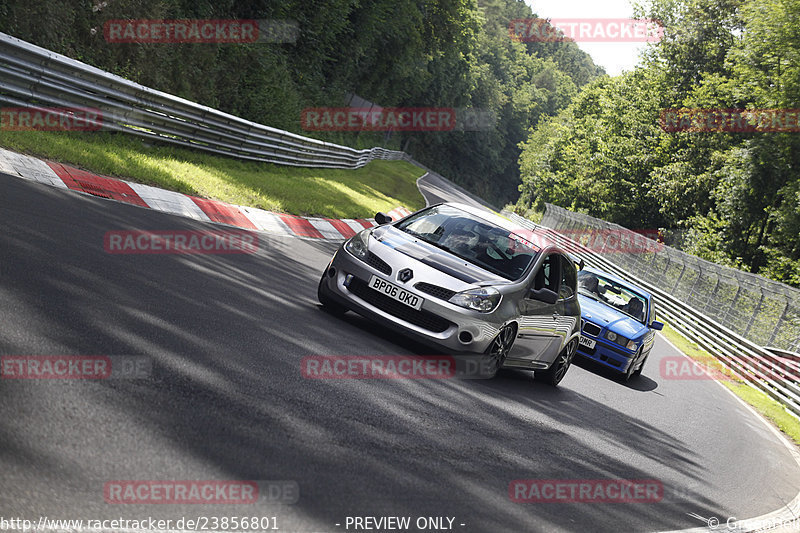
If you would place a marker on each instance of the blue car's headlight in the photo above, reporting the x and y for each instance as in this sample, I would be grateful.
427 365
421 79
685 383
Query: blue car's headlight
358 245
484 299
622 341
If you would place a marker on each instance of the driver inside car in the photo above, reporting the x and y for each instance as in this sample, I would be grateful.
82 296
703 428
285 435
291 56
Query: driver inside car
461 242
634 307
591 284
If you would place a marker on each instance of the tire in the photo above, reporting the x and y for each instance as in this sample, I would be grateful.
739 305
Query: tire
327 302
638 371
631 373
498 349
558 369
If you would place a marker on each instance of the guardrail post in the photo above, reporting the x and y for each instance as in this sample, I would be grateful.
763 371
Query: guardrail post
755 314
778 325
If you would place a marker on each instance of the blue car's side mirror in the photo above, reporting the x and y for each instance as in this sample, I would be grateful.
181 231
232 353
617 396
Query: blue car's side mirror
657 325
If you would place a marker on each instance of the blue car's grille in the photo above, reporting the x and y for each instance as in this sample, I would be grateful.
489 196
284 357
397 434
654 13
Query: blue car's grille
386 304
591 329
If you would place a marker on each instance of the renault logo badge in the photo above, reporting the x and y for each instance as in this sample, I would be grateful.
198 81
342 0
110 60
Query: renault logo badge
405 275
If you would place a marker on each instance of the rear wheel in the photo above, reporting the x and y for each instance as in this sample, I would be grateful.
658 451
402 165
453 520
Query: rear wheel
499 348
327 302
558 369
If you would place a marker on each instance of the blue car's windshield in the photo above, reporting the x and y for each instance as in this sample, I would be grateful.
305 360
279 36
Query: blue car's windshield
613 294
473 239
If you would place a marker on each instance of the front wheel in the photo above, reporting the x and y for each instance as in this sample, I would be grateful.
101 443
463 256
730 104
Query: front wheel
631 373
638 371
558 369
327 302
499 348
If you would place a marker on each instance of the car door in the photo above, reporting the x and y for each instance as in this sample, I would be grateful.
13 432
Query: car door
538 337
650 336
568 310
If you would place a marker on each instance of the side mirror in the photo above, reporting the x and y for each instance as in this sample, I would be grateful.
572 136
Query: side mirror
657 325
382 218
544 295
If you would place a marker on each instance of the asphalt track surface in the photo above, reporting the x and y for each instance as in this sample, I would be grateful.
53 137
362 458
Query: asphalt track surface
226 399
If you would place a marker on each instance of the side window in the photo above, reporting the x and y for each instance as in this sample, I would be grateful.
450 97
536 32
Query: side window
548 275
652 312
569 279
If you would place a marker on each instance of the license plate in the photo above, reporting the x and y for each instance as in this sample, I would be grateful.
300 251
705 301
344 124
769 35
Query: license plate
396 293
586 341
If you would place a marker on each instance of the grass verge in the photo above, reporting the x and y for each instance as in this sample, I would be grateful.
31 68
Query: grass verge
334 193
760 401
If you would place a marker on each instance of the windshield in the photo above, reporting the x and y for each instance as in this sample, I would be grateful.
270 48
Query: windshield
473 239
613 294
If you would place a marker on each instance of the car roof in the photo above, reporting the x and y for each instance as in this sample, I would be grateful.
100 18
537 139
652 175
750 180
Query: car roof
620 280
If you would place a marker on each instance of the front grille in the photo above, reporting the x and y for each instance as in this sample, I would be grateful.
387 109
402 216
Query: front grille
591 329
378 264
435 290
420 318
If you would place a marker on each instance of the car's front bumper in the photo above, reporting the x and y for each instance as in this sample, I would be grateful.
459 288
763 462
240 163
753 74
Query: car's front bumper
607 354
438 322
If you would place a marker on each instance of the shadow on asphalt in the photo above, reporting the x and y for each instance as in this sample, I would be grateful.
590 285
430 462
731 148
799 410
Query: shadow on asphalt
226 335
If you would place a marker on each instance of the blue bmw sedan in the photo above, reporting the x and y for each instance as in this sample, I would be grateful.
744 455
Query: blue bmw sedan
618 322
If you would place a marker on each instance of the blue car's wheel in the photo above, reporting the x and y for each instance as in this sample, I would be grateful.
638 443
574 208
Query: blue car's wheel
631 372
638 371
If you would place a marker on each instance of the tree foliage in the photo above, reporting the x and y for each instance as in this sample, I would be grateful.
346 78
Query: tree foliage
416 53
736 194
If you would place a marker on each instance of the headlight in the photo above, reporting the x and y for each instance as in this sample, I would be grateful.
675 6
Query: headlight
358 245
622 341
484 299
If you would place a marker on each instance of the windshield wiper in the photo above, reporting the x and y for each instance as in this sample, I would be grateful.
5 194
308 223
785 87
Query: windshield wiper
589 294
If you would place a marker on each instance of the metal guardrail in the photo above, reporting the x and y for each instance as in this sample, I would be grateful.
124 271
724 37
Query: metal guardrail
774 373
32 76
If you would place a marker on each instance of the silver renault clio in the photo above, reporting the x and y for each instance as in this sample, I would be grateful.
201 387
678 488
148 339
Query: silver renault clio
465 281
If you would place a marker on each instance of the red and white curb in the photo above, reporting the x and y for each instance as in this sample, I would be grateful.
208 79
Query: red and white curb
66 177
